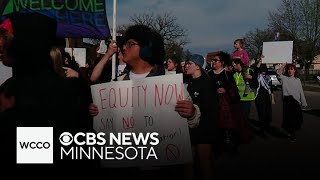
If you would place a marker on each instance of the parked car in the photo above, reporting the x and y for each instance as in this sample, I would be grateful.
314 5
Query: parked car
273 75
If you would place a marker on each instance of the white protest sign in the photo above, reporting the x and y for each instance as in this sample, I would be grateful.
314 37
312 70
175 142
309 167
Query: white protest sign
277 52
103 47
5 73
79 55
91 41
141 106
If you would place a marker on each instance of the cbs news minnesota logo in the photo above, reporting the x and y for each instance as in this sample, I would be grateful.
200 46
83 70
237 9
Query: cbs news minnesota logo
34 145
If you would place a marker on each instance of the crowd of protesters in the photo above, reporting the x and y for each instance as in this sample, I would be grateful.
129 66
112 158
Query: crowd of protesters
49 89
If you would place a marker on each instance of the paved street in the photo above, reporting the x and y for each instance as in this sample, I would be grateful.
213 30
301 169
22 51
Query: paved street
275 156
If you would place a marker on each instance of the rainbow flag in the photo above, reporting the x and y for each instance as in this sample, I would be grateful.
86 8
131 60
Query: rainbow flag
76 18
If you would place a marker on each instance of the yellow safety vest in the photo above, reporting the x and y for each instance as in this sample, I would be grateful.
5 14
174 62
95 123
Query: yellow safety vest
241 87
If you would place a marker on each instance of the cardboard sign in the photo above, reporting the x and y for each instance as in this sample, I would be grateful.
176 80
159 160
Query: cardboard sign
277 52
103 47
141 106
79 55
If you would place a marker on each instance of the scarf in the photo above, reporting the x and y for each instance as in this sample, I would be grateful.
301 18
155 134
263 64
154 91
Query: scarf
264 81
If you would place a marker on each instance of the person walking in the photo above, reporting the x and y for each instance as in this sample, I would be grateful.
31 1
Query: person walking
293 100
264 98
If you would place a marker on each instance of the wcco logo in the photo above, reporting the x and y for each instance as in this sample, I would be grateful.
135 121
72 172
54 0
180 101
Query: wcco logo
34 145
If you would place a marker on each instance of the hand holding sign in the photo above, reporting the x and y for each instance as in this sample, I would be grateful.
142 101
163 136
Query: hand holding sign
185 108
93 110
146 105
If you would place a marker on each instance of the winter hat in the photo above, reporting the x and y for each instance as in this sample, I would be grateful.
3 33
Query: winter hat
199 60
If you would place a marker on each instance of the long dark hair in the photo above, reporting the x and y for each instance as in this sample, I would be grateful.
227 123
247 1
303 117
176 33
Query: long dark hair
225 58
176 60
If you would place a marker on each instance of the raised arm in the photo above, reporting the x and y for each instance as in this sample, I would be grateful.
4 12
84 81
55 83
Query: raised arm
259 63
96 73
281 69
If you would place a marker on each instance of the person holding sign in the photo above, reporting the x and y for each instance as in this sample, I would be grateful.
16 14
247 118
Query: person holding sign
203 94
103 70
293 100
144 52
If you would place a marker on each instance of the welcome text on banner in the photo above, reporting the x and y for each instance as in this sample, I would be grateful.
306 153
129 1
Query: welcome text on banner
76 18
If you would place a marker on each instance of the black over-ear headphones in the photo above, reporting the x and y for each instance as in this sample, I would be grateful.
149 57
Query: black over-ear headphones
146 51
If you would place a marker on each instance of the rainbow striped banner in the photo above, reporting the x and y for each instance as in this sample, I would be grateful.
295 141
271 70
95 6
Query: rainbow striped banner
76 18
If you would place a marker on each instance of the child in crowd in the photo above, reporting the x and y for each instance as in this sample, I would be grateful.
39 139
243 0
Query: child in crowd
240 53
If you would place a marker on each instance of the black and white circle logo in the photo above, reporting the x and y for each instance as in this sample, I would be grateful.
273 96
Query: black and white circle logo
66 138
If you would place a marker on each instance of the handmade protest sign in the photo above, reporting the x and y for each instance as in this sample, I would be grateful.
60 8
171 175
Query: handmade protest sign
79 55
145 106
277 52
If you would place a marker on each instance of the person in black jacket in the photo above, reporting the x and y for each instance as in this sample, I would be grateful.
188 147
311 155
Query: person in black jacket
264 99
204 95
102 71
43 98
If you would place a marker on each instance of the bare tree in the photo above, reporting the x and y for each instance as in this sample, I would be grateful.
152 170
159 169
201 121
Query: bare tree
254 41
310 11
174 49
174 35
166 24
286 19
300 20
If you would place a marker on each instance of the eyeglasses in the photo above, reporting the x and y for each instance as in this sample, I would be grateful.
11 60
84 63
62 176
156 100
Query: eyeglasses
215 60
129 44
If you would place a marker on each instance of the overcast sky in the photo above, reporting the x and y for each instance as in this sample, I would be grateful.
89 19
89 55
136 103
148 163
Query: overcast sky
212 24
